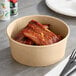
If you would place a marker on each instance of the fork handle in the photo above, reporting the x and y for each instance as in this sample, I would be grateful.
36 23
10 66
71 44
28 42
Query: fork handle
67 68
71 71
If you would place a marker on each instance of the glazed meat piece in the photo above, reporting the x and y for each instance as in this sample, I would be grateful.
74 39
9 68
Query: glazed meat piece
35 37
39 34
28 41
22 39
19 36
39 28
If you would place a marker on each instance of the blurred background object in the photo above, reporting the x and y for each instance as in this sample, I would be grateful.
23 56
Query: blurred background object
13 7
4 10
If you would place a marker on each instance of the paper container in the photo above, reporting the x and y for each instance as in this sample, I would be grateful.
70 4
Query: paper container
38 55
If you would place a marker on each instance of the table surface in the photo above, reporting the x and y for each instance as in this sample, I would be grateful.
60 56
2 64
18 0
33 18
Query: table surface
8 66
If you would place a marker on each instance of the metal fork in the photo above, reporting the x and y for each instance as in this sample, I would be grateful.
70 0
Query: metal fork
70 64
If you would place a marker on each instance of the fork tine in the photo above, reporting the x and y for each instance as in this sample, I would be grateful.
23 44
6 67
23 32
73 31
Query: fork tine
73 54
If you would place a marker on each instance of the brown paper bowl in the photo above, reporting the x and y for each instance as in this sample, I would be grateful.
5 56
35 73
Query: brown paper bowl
38 55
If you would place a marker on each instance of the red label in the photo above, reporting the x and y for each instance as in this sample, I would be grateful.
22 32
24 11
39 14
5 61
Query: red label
14 1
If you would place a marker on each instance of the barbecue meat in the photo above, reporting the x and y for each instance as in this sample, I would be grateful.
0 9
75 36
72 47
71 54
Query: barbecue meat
39 34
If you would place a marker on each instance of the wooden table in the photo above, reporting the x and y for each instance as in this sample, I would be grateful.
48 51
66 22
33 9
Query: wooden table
8 66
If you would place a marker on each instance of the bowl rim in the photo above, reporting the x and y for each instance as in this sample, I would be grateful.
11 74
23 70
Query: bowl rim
10 38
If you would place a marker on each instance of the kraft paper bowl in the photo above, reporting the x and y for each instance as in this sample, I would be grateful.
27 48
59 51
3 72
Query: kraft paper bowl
38 55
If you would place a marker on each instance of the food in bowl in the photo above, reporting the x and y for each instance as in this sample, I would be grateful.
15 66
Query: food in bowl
36 33
38 55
